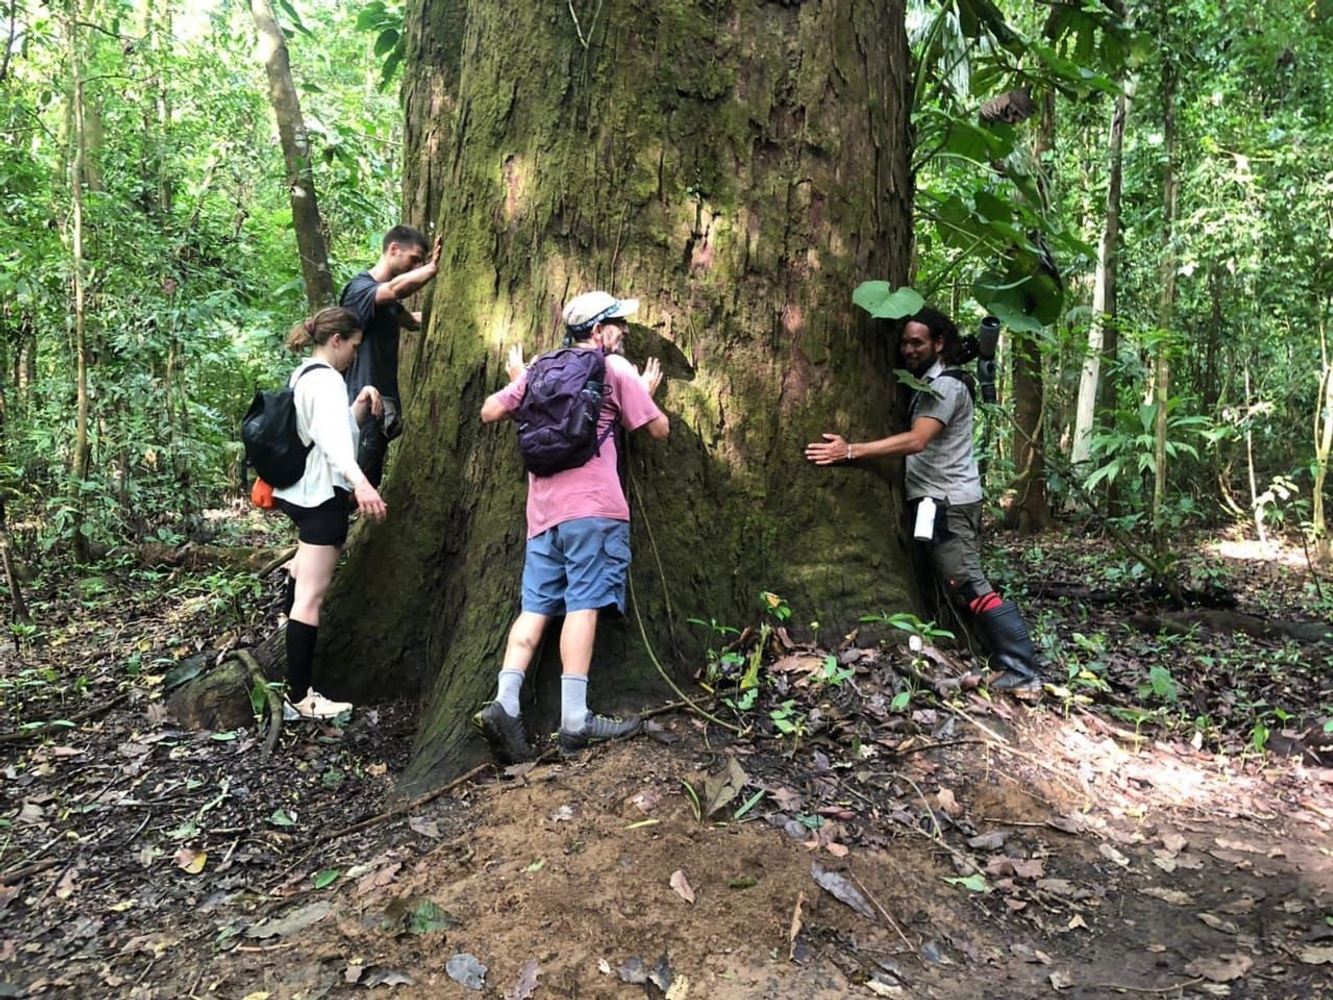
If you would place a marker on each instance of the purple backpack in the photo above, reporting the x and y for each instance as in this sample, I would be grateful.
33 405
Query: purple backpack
557 419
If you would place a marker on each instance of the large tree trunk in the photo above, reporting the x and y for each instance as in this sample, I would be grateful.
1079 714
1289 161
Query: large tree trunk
295 141
740 171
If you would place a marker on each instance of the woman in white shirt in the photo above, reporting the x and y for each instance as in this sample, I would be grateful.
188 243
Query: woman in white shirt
320 501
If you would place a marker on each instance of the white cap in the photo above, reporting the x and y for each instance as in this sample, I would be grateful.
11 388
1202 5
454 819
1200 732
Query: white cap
585 311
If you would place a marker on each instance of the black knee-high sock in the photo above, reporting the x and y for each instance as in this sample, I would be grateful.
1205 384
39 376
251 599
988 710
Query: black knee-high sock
289 595
300 657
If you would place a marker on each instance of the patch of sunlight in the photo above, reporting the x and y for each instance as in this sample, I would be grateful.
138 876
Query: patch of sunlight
1253 550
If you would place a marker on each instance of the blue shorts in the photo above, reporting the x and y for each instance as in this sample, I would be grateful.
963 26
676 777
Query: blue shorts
578 565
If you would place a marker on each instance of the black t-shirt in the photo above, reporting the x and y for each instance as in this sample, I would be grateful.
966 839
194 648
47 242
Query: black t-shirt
377 360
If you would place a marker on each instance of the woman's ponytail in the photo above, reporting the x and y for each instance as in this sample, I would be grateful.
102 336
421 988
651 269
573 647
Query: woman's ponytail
317 329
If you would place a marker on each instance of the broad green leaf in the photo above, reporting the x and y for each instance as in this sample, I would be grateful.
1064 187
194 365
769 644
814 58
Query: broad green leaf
883 301
386 41
973 883
327 877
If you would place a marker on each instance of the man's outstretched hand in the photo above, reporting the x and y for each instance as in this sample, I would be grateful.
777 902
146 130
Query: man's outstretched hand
651 377
830 451
514 364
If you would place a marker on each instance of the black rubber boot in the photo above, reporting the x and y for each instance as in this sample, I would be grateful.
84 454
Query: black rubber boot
1005 635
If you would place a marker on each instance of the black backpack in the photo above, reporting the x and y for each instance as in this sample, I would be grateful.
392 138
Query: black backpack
273 448
557 418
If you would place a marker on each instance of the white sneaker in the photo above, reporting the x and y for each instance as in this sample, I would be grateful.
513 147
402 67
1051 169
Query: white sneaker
315 706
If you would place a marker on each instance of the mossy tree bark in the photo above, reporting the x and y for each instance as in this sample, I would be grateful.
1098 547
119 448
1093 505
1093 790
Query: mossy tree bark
740 167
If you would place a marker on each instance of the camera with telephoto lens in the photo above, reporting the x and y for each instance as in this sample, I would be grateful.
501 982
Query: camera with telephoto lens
981 347
988 339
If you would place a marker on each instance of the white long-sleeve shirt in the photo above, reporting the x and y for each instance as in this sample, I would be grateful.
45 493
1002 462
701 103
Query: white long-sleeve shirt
324 420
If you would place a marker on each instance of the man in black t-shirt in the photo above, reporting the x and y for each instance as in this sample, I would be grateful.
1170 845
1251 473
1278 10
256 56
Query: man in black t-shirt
374 297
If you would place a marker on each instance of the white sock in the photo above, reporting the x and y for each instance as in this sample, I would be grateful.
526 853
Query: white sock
507 689
573 702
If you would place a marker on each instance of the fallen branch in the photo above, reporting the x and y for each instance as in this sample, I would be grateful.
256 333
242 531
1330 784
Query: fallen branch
19 874
196 556
275 562
888 917
401 810
274 699
1158 990
42 730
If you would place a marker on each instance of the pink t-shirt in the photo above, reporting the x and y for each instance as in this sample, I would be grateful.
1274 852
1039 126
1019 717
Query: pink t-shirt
593 489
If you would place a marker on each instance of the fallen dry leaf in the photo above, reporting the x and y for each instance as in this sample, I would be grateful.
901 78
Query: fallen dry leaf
1028 954
1172 896
1174 842
192 861
841 889
1112 855
291 922
682 886
786 799
527 981
1071 823
1316 956
1217 923
425 827
794 930
1237 845
719 789
377 879
66 886
1061 980
1222 969
945 799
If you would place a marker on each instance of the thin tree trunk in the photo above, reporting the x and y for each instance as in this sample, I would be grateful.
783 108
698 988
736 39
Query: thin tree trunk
295 143
9 41
597 157
18 607
1031 511
1166 277
1210 388
1255 511
1323 439
1101 332
82 445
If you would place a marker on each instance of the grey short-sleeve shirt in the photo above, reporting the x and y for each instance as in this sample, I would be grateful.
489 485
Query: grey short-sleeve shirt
947 468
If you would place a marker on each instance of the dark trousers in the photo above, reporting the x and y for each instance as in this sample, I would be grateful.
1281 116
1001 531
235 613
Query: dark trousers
376 433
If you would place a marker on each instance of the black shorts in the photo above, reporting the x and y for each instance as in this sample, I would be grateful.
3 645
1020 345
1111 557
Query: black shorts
322 525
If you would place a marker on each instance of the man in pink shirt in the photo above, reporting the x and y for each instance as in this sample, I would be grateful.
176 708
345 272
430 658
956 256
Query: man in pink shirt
577 559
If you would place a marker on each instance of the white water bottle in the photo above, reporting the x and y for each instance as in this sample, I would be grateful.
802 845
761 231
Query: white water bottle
924 530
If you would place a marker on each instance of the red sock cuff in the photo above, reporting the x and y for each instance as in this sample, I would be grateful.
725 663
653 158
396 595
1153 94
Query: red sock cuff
986 602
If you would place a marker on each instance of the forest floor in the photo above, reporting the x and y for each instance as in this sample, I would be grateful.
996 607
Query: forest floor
1160 825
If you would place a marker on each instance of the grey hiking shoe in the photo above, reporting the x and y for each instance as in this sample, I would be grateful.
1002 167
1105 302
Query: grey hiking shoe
598 729
1015 683
504 733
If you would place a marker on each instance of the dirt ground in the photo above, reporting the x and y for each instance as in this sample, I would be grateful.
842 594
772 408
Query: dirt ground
959 849
1154 888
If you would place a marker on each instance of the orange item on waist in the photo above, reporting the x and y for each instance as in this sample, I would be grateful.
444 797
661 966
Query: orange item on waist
261 495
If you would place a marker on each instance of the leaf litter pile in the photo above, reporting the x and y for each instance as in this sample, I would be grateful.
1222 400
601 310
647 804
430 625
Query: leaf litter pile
1158 825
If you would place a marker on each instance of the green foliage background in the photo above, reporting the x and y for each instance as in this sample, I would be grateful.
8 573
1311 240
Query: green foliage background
191 262
190 259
